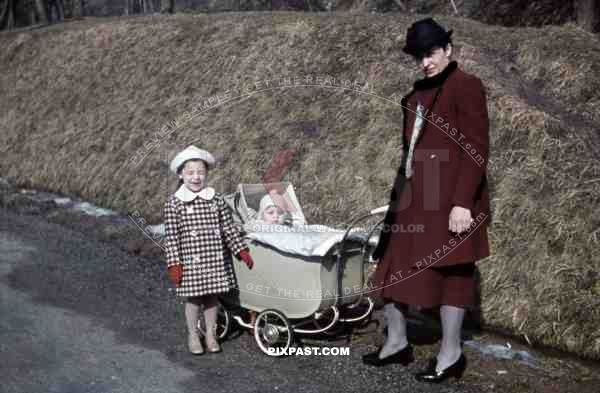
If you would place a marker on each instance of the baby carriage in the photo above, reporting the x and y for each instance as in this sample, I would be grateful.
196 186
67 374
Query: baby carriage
306 279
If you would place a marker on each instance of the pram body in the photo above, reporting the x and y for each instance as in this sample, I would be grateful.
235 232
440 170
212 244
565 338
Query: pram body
298 292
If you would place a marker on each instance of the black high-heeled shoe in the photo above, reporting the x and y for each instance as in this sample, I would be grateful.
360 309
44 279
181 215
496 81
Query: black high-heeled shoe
404 357
455 370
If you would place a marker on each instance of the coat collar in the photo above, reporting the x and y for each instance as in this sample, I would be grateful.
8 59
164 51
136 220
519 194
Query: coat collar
186 195
436 80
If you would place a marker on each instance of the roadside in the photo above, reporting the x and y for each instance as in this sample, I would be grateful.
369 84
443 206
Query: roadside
87 308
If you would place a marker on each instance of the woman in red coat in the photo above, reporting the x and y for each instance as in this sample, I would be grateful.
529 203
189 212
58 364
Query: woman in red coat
436 225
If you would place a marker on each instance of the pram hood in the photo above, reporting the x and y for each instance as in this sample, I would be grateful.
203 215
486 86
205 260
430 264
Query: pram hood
246 201
299 238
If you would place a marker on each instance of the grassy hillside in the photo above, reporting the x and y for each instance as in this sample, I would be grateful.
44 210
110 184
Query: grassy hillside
85 109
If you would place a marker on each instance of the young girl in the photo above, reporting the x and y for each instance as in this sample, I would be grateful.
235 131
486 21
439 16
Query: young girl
199 237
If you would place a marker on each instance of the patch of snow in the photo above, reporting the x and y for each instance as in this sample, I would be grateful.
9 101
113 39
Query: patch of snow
504 352
93 210
63 201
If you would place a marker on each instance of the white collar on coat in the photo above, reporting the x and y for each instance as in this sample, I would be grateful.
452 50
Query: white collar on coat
186 195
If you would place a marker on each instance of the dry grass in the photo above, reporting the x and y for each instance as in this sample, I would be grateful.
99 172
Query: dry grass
78 101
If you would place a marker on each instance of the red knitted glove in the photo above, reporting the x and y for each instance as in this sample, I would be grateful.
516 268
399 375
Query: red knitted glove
244 255
176 274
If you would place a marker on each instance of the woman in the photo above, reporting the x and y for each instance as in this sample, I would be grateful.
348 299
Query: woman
441 191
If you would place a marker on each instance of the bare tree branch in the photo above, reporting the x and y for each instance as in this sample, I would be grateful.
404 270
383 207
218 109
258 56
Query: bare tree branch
401 5
588 15
4 12
167 6
41 11
454 6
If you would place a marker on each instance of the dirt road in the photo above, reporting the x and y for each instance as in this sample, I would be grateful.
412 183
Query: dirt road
81 316
85 307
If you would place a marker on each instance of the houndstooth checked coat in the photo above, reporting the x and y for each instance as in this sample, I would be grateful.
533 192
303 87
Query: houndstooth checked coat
200 234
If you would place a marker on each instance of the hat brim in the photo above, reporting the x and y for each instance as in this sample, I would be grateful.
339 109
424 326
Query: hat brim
192 153
423 48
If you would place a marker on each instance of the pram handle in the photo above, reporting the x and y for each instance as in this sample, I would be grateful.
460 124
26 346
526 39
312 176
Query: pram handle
379 210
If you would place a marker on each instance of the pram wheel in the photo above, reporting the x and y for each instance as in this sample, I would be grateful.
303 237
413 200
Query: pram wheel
223 323
273 332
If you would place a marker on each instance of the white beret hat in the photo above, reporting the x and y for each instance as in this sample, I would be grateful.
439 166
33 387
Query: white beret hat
192 153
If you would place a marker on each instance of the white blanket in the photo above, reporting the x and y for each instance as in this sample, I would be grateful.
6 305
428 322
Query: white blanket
307 240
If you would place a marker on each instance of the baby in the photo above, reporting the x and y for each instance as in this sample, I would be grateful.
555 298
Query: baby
268 211
275 208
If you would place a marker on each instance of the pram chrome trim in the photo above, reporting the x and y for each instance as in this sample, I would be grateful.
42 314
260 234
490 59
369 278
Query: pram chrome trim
363 316
363 250
334 320
382 209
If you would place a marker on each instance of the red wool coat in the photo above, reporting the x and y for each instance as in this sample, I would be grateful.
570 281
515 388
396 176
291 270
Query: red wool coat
450 158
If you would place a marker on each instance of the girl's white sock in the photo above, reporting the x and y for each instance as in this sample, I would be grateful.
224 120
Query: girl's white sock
210 316
191 316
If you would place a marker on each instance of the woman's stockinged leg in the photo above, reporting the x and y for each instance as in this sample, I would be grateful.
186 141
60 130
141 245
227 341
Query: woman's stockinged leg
450 350
396 348
396 330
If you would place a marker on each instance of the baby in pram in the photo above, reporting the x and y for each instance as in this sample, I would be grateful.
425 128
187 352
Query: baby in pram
269 212
275 211
284 228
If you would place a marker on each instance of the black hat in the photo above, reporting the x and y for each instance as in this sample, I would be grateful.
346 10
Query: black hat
424 35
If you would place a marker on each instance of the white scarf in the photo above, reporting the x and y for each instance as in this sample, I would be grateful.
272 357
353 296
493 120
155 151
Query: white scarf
419 121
